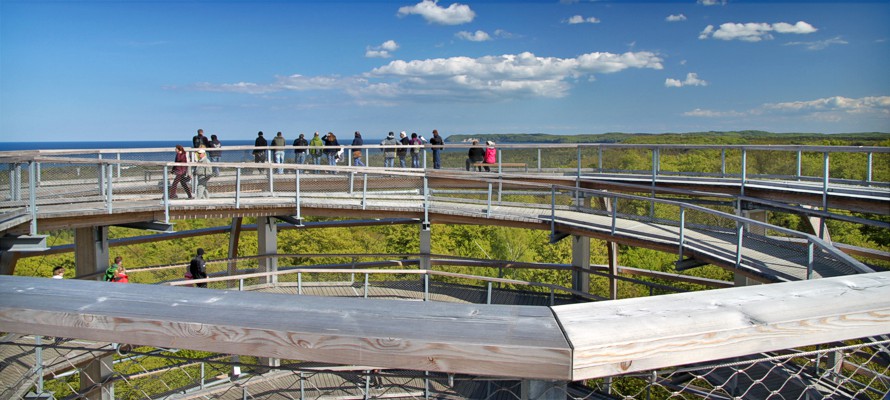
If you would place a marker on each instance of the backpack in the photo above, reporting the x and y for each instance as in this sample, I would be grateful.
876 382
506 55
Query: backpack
109 273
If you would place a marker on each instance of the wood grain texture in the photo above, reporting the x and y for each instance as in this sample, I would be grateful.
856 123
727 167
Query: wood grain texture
617 337
515 341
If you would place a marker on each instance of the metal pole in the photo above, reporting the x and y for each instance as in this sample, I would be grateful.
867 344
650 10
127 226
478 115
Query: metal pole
579 162
426 202
32 195
740 234
238 187
38 362
614 213
109 189
426 287
366 285
868 168
825 172
599 158
810 248
552 211
723 162
488 294
500 156
364 191
299 283
488 211
744 171
166 195
299 216
682 228
799 160
118 165
539 159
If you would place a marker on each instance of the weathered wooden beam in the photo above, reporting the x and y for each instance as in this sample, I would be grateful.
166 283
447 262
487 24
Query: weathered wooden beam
488 340
619 337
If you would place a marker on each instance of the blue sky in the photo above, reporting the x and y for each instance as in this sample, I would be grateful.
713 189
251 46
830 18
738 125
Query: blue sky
143 70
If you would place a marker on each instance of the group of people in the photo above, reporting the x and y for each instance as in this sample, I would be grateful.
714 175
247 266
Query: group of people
315 151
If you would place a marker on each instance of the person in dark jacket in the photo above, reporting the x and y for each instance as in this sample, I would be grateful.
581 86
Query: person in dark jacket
356 152
331 148
216 154
300 154
474 155
198 268
437 143
200 140
259 155
181 173
401 153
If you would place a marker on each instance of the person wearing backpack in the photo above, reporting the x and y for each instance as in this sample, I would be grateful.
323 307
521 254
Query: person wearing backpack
197 267
415 151
111 271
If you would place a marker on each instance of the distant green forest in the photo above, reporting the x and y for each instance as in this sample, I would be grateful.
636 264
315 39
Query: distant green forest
732 137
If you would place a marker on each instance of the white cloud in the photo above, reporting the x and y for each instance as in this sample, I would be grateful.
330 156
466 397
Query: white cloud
521 74
505 76
675 18
691 80
711 2
455 14
478 36
829 109
577 19
754 31
383 51
819 44
503 34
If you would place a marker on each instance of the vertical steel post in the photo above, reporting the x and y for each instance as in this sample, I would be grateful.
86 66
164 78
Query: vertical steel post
38 362
578 175
868 168
109 192
723 162
552 211
32 195
118 165
744 171
682 229
614 213
799 161
539 159
740 234
500 158
488 294
599 158
299 283
825 172
426 286
238 187
297 195
810 248
166 195
366 285
364 191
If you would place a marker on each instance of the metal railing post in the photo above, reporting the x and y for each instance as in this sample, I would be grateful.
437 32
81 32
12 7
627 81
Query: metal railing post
488 210
488 294
426 286
799 161
202 376
552 211
825 172
166 199
238 187
868 167
38 362
364 191
539 159
744 171
500 159
740 234
299 283
578 172
426 202
32 195
109 192
723 162
366 285
599 158
297 195
810 248
614 214
682 230
118 165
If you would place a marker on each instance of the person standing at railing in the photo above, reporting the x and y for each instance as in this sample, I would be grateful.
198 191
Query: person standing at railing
59 272
198 267
402 153
259 155
437 143
389 152
300 153
316 153
356 152
200 140
415 151
475 155
491 155
203 173
279 143
216 154
331 148
181 173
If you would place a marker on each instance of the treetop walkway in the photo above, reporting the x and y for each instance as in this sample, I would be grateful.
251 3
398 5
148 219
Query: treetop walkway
704 217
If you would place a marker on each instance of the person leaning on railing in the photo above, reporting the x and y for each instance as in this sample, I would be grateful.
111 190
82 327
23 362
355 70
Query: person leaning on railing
475 155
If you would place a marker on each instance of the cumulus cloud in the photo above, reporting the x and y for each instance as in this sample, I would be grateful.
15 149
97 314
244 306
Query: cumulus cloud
691 80
577 19
675 18
505 76
523 74
712 2
383 51
754 31
430 10
819 44
478 36
832 109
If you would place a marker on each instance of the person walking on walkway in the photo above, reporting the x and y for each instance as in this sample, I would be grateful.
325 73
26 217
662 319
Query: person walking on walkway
198 268
180 173
203 173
